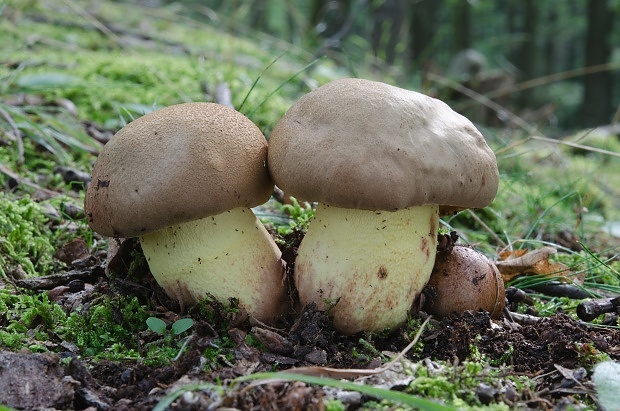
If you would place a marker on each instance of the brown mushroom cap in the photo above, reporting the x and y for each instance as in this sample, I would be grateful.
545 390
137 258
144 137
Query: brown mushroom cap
463 279
362 144
177 164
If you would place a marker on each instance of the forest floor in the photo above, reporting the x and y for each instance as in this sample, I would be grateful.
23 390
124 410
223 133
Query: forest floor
74 307
527 362
532 363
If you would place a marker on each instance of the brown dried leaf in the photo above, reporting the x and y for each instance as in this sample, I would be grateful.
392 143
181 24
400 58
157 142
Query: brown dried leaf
76 249
524 262
273 341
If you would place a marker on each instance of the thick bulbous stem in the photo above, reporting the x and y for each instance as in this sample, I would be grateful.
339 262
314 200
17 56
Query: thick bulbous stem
225 255
370 265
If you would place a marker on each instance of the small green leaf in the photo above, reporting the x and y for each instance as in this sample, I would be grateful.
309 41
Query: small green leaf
181 325
156 325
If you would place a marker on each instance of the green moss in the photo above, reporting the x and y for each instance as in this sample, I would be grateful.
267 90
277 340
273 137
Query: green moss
112 87
25 239
31 319
334 405
114 77
108 329
457 384
50 135
286 218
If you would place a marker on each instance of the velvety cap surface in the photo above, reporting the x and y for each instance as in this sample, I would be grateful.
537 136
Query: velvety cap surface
362 144
174 165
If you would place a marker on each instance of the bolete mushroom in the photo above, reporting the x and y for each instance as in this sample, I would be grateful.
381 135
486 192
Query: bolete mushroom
183 179
383 163
464 279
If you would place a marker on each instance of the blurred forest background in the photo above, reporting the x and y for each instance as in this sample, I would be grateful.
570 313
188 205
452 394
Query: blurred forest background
554 64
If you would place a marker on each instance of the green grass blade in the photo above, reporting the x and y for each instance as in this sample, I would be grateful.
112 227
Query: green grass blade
167 401
544 213
306 67
380 393
258 79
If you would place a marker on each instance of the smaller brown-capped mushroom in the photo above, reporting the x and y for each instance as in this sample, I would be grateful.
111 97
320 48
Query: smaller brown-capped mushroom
463 279
182 179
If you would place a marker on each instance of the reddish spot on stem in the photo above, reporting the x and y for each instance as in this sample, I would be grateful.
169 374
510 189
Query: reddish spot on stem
425 248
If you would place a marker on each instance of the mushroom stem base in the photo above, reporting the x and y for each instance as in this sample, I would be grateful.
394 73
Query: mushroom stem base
226 255
370 265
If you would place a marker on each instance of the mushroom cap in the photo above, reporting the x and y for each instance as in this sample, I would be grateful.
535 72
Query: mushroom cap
362 144
177 164
463 279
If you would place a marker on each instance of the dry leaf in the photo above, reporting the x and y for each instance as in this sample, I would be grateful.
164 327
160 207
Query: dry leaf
523 262
76 249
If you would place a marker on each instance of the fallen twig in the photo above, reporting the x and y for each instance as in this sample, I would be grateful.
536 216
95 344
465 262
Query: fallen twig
88 274
558 289
575 145
590 309
41 191
486 227
521 319
516 295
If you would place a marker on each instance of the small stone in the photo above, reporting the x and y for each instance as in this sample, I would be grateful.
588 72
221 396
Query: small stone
485 393
316 356
35 381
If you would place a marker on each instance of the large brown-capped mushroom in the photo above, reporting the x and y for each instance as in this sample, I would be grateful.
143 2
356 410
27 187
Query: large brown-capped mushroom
383 163
182 179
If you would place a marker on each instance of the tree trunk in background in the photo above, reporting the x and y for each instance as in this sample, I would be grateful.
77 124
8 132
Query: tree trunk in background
462 26
422 30
596 108
257 18
330 15
550 55
387 20
317 11
527 56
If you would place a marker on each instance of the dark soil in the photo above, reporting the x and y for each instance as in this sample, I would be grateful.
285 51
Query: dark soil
554 352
